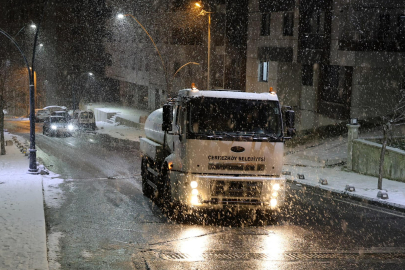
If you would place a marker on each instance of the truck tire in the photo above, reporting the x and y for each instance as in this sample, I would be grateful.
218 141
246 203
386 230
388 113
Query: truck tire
146 188
166 197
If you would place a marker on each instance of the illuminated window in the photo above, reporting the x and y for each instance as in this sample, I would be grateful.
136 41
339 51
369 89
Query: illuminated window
263 71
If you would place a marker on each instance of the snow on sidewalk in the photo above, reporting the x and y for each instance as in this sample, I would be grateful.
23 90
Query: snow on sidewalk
22 220
337 178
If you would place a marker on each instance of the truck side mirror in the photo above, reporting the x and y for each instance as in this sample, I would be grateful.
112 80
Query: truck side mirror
167 117
290 122
289 118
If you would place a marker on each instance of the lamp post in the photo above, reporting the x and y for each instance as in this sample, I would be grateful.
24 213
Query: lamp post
203 13
167 78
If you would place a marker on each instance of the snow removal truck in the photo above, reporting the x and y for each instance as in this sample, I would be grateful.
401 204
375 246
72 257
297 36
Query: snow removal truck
217 149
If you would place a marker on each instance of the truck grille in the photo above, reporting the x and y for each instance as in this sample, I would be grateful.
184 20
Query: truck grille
232 189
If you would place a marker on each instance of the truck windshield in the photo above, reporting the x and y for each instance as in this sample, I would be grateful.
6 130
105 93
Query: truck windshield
234 117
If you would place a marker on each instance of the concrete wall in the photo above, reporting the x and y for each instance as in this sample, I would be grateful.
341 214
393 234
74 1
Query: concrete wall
366 157
374 90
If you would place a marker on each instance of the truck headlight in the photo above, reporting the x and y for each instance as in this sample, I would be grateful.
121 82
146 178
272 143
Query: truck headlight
273 203
194 184
196 199
274 194
276 186
194 191
54 127
71 127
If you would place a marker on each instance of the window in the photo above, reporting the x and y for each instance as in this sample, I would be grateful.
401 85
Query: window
108 59
134 63
140 64
265 26
384 27
288 24
401 29
307 73
176 66
263 71
317 22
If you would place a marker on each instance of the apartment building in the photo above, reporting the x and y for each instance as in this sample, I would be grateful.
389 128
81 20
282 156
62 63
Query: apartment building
149 72
330 60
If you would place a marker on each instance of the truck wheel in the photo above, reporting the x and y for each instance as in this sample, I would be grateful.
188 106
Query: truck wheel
166 198
146 188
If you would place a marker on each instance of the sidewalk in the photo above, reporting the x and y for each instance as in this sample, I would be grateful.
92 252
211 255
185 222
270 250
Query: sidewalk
22 221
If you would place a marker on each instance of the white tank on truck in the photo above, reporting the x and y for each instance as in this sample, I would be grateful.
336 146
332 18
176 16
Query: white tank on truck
217 149
153 126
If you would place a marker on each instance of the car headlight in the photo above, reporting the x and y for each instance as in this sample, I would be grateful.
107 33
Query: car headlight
54 127
71 127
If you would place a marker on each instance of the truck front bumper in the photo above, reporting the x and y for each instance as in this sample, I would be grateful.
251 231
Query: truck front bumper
223 191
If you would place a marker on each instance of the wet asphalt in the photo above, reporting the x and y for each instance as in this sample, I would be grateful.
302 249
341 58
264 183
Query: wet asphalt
97 218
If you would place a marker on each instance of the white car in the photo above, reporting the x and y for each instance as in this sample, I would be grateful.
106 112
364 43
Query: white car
41 114
57 125
84 120
54 108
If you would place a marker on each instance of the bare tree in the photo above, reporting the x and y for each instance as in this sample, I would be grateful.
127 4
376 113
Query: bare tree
397 117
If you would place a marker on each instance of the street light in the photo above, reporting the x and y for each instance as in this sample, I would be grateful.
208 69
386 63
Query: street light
203 13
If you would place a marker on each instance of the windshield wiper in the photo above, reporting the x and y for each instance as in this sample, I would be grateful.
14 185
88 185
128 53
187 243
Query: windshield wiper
260 136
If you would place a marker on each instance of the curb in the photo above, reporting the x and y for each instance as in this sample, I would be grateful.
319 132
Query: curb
350 195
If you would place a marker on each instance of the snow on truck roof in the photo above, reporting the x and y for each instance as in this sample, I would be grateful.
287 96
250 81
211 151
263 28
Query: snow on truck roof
228 94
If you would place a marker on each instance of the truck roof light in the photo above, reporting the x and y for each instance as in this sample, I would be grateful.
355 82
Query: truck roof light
271 91
193 87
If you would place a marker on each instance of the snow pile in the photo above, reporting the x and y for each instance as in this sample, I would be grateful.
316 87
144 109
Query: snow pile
120 131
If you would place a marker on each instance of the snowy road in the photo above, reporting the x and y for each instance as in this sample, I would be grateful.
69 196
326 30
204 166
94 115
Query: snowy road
97 222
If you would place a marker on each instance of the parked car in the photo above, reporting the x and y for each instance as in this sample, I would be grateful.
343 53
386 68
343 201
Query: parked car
57 125
84 119
54 108
41 114
64 114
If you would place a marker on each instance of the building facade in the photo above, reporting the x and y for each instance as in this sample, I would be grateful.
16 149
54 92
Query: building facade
157 48
329 60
